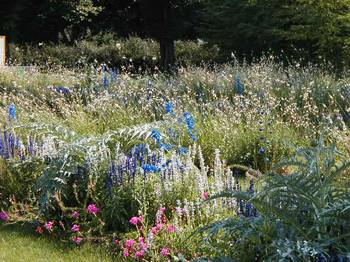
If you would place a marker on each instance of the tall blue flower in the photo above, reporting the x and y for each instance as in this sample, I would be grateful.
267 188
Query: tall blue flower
239 88
156 135
191 124
151 168
12 112
169 108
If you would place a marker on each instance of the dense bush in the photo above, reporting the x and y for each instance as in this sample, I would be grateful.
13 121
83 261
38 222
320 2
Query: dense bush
302 216
132 53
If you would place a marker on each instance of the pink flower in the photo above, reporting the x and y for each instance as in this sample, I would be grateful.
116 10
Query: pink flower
134 220
126 253
117 241
140 254
4 216
142 244
159 226
77 240
129 243
205 195
165 252
141 219
141 239
75 215
49 225
93 209
162 209
75 228
154 230
171 229
39 230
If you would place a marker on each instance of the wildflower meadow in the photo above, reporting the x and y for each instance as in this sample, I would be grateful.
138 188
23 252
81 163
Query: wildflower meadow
240 162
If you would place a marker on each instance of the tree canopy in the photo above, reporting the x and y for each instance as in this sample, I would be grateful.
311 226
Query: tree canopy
245 27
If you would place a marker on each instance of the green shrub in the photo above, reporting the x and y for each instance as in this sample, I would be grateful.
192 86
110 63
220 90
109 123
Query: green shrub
302 216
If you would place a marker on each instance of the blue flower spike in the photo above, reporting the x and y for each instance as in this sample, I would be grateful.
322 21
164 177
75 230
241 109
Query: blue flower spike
12 112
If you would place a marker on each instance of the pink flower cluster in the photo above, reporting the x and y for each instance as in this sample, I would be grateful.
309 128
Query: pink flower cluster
77 240
93 209
137 220
49 225
137 249
4 216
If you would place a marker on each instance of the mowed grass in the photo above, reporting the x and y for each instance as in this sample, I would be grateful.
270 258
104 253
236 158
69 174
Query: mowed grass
19 244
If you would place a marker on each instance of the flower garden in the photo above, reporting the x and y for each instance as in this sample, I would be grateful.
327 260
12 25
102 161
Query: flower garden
228 163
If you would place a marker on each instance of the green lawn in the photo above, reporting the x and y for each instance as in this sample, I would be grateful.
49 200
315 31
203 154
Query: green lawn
18 244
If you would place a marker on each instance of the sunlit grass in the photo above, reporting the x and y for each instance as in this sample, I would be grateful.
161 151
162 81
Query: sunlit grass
20 244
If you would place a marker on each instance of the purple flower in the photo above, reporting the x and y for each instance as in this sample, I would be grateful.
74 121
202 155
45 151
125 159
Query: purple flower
93 209
75 228
75 215
4 216
77 240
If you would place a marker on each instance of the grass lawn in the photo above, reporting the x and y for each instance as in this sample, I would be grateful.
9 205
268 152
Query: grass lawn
18 244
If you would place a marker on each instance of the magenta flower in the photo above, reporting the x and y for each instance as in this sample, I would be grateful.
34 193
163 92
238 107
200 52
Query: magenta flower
77 240
171 229
93 209
162 210
75 215
129 243
126 253
49 225
140 254
75 228
205 195
4 216
159 226
165 252
154 230
135 220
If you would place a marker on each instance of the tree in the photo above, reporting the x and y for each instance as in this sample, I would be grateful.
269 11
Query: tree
249 27
166 21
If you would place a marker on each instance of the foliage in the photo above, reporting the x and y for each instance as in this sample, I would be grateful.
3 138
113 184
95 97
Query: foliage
132 53
303 215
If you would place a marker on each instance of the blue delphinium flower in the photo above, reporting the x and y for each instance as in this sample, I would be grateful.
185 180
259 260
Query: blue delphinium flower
262 151
251 186
151 168
169 108
189 121
113 73
12 112
156 135
105 81
166 147
2 148
62 90
183 150
239 87
191 124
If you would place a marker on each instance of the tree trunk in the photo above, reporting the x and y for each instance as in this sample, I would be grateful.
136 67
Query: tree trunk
167 54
